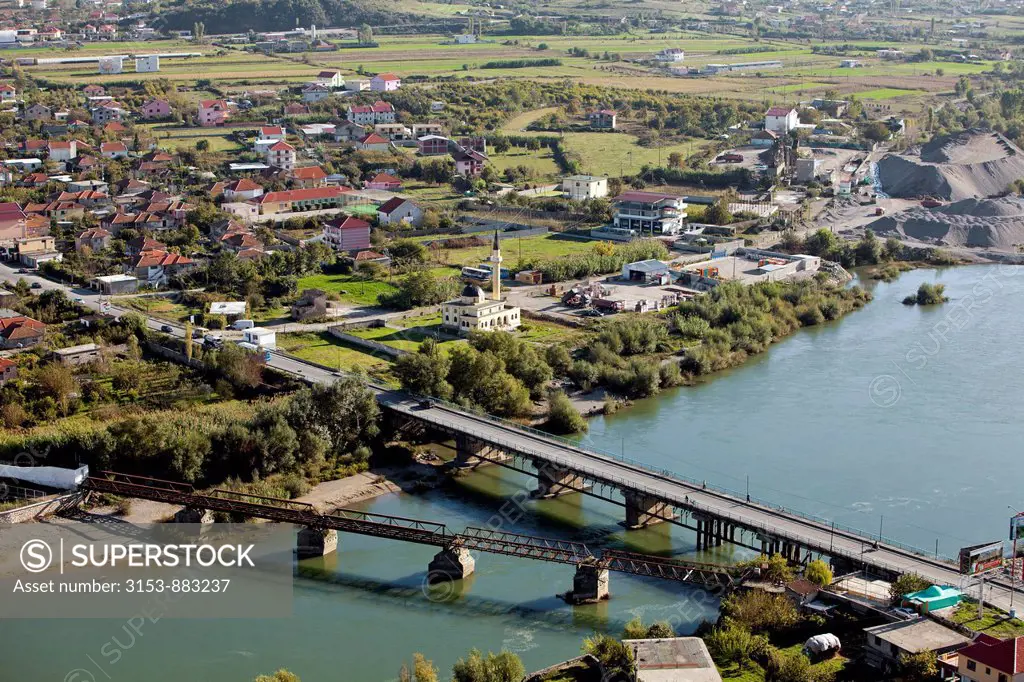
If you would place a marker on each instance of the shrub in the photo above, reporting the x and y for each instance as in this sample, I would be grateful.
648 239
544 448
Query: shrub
563 417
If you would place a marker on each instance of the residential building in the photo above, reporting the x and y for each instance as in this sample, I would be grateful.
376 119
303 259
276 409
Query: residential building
294 200
603 119
149 63
383 112
93 90
157 267
314 92
308 176
213 112
111 285
242 190
374 143
20 332
107 112
156 109
781 120
465 39
989 659
421 129
95 239
393 131
275 133
432 145
385 82
385 182
349 132
583 187
38 112
369 114
670 54
672 659
397 210
357 85
61 150
764 138
347 234
473 310
113 150
436 106
73 356
8 371
330 79
885 644
649 213
281 155
8 93
469 163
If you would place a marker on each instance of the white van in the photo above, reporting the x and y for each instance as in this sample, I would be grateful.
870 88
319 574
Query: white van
239 325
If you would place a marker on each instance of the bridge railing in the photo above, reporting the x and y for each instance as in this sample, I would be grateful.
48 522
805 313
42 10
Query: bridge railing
828 524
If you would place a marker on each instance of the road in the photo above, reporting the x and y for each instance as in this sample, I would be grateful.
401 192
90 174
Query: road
815 534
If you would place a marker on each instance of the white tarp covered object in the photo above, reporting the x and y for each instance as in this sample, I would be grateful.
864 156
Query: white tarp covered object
821 643
50 477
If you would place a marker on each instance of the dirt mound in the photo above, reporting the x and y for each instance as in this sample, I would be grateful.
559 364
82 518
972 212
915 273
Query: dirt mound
986 223
953 167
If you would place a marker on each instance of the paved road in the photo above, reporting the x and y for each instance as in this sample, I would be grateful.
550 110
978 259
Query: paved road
683 494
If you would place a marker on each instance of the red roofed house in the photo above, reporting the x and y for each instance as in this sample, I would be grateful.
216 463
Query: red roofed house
781 120
373 143
281 155
156 267
988 659
469 163
361 114
313 199
385 82
8 93
94 90
385 182
12 221
308 176
347 234
314 92
213 112
8 371
62 150
20 332
241 190
156 109
95 239
383 112
271 133
113 150
397 210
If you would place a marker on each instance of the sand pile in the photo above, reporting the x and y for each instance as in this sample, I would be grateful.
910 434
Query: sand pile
974 163
987 223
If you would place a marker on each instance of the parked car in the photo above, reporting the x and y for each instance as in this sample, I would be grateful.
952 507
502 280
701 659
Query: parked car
166 329
37 285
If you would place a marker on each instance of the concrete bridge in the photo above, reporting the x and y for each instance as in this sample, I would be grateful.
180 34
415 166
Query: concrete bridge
319 536
650 495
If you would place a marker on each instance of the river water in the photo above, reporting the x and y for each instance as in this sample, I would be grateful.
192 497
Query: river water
896 416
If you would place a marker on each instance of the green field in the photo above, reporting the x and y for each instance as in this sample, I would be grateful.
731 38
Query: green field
885 93
407 339
617 154
992 622
172 138
541 162
350 289
325 349
528 249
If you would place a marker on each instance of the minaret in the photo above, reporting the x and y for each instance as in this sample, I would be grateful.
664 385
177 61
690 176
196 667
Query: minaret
496 269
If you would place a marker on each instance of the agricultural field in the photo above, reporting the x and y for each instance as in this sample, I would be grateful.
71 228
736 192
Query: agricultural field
526 249
172 138
325 349
542 162
350 289
886 93
616 154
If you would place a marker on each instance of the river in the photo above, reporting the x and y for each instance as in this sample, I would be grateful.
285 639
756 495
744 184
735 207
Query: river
897 416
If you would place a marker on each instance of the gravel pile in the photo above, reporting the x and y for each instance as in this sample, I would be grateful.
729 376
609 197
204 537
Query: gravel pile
972 164
986 223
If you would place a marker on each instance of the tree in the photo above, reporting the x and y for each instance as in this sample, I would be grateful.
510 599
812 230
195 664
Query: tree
869 249
480 379
788 667
819 573
907 584
675 160
422 669
407 252
616 658
58 382
425 372
732 644
822 243
419 289
776 569
202 145
280 676
563 417
875 131
199 31
718 213
558 358
919 667
343 414
365 34
502 667
758 611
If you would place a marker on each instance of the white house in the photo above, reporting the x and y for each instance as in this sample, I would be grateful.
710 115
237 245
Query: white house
261 338
8 93
582 187
670 54
330 79
385 82
465 39
315 92
397 210
149 63
781 120
281 155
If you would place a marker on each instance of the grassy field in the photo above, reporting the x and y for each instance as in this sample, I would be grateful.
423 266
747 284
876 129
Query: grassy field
528 249
992 622
542 331
350 289
886 93
408 338
158 306
541 162
327 350
615 154
518 123
172 138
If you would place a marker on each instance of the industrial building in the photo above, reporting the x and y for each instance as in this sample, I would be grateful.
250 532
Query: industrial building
147 63
111 65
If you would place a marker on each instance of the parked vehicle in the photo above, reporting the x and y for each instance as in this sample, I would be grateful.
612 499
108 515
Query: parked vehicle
200 332
166 329
37 285
239 325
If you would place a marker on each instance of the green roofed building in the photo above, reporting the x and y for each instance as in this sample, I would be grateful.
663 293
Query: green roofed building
933 598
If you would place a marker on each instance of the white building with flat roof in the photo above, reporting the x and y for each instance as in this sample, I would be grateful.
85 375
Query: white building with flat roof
147 63
582 187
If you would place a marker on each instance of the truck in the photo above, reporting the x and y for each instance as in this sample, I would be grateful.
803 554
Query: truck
239 325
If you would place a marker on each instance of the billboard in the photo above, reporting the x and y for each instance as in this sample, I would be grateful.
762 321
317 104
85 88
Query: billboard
1017 528
981 558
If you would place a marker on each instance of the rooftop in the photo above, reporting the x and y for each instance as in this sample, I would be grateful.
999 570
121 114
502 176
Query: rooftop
75 350
1006 656
675 659
915 636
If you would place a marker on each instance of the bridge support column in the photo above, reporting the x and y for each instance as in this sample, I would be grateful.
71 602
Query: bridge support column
700 534
452 563
470 452
643 510
193 515
314 542
553 481
589 585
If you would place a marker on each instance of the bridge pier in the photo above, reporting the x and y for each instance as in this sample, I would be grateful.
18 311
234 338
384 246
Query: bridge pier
193 515
643 510
471 453
314 542
589 585
553 481
451 563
